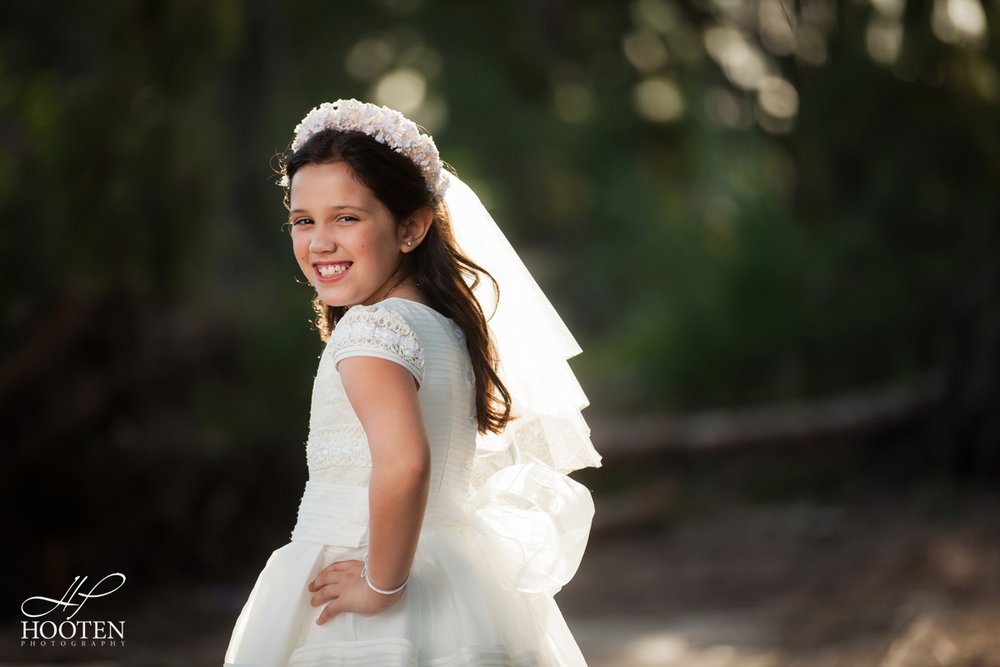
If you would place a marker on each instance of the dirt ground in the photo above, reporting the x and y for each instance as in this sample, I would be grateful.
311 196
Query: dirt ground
897 582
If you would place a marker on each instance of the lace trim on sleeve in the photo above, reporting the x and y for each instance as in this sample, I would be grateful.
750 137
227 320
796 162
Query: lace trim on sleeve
378 332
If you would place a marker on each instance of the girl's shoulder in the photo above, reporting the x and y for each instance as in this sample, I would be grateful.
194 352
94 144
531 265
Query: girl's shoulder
397 310
395 328
394 313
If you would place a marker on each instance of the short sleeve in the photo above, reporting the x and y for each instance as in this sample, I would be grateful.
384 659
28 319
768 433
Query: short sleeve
377 331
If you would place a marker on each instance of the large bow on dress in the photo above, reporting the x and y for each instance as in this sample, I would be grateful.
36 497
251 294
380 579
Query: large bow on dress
534 523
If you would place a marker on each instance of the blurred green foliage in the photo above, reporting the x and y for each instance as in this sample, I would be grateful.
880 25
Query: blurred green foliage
713 239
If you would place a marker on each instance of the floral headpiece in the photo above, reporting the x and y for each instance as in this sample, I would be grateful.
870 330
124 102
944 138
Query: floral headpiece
384 125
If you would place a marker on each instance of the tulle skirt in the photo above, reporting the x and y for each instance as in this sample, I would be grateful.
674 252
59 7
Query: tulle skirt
479 593
452 613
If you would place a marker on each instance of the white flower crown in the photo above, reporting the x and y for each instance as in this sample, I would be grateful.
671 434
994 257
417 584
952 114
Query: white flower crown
384 125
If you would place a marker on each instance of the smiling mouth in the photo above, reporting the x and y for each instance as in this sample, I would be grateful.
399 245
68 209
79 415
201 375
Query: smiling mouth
330 270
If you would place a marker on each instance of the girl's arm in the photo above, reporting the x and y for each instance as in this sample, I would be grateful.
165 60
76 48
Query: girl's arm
384 396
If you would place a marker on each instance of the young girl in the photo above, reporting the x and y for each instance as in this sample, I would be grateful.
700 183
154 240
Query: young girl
437 522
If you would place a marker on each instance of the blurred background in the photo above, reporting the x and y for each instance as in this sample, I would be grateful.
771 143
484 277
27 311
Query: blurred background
772 226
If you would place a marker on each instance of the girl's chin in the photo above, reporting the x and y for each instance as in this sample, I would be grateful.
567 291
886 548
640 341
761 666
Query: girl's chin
336 300
335 303
339 296
328 298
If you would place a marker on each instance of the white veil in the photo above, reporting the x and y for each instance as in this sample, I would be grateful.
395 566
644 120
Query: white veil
533 345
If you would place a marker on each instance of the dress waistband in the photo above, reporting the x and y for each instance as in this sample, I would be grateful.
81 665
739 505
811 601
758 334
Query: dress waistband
332 514
337 515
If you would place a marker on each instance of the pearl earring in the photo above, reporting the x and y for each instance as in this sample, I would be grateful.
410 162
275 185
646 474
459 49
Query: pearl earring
409 243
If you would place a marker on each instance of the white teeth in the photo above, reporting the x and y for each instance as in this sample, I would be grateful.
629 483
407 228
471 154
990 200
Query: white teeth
331 269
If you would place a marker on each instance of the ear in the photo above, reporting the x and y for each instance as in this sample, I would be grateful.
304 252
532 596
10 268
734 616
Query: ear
412 231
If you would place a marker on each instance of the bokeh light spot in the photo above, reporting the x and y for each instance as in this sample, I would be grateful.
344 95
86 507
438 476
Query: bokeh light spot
778 97
658 15
776 31
657 649
884 39
644 50
658 100
959 22
741 62
402 89
889 8
369 58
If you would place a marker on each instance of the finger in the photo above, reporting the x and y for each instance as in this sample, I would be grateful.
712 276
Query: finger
324 594
328 573
324 580
338 566
332 567
327 592
329 612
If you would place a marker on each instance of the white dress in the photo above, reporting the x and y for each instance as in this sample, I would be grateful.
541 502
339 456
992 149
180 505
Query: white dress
490 555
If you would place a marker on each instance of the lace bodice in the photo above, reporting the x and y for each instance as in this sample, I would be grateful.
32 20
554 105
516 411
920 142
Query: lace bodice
432 348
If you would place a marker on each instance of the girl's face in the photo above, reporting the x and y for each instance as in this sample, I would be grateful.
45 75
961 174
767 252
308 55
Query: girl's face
345 240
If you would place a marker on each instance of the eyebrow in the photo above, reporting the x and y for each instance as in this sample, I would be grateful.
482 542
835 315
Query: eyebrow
333 208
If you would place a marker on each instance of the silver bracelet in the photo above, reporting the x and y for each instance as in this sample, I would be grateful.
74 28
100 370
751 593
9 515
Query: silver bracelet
380 591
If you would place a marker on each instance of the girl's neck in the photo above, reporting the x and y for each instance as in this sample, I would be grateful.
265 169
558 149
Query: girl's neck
405 289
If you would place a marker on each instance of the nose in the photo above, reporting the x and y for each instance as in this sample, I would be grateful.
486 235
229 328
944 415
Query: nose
322 240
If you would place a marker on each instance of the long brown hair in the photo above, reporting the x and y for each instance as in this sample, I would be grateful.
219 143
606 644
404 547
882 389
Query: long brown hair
445 275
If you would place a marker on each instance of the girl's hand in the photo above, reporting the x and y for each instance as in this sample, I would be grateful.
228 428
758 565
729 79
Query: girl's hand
341 585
